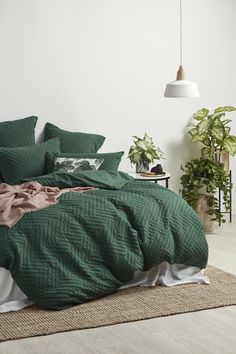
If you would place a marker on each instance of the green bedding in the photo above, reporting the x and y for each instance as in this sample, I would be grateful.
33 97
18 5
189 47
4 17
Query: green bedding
90 243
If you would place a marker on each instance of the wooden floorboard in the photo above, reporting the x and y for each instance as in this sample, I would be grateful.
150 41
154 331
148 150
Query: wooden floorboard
203 332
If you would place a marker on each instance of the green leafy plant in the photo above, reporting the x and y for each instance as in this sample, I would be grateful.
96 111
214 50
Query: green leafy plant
144 150
213 131
206 176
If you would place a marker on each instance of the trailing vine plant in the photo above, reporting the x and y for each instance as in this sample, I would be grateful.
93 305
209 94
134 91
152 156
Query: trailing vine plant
206 176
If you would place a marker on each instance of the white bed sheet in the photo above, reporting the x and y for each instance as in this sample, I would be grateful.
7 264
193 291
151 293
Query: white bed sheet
168 275
13 299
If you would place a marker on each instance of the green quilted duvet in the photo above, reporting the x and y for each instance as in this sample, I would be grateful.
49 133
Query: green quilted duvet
90 243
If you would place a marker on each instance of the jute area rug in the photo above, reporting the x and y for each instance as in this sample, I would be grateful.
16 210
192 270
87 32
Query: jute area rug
124 306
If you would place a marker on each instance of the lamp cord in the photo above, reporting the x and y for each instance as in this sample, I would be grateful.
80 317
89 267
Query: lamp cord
181 31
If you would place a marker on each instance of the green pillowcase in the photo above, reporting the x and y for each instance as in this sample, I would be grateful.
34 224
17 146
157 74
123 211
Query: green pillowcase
20 132
74 141
28 161
111 160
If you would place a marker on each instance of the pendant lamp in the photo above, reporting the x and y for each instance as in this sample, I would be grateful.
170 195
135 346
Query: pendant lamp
181 88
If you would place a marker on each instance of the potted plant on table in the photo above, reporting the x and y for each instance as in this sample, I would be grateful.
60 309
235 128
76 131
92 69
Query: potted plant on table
206 175
143 152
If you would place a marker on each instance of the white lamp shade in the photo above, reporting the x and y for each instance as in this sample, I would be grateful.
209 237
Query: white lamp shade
181 89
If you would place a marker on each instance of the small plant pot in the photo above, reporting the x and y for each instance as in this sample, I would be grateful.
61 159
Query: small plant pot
142 166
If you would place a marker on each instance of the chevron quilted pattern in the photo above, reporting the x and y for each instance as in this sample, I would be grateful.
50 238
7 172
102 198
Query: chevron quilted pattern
111 160
89 244
18 132
27 161
74 141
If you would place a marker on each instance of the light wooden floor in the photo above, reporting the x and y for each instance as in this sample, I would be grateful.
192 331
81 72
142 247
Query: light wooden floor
204 332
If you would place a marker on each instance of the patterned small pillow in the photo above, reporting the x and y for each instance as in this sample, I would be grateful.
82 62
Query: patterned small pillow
111 160
62 164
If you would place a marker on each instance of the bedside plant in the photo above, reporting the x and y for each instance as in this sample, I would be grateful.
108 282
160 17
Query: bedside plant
213 131
205 175
144 152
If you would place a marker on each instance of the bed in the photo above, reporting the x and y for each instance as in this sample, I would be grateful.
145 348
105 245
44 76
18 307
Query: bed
121 233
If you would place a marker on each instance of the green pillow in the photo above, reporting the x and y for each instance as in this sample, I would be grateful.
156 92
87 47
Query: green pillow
74 141
28 161
111 160
18 132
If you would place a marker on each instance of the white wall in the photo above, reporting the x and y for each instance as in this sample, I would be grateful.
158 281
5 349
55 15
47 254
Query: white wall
102 65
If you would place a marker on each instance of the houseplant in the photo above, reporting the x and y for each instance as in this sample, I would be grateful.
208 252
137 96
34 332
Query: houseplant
213 131
205 175
143 152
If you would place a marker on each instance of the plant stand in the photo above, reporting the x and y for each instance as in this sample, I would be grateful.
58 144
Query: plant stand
202 209
220 200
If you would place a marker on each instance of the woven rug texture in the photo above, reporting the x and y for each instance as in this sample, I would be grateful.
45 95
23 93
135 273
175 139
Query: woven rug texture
128 305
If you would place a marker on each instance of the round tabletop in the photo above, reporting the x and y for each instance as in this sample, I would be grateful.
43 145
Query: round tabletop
139 177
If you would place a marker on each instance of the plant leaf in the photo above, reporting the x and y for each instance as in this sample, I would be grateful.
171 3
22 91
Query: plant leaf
196 138
207 151
217 132
217 115
193 131
202 127
135 157
141 145
229 144
225 109
149 157
201 113
147 139
226 121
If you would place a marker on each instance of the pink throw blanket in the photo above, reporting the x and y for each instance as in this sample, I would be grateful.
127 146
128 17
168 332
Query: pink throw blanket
17 200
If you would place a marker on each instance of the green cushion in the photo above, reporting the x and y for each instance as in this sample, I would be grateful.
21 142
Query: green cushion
28 161
74 141
18 132
111 160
